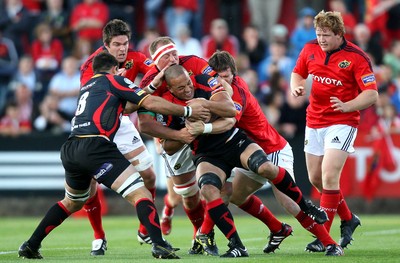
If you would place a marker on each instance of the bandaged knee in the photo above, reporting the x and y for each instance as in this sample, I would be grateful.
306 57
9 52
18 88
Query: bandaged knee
188 189
256 160
77 197
132 183
144 159
210 179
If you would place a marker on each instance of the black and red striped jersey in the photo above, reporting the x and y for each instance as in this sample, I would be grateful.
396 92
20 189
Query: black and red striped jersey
101 104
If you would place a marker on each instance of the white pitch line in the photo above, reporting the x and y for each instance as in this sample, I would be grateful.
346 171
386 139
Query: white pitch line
7 252
48 249
381 232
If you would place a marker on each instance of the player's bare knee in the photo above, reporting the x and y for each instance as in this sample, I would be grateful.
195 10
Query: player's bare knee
149 178
268 170
191 202
316 182
237 198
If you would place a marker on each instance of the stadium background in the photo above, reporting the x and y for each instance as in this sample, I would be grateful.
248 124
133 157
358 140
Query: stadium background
31 175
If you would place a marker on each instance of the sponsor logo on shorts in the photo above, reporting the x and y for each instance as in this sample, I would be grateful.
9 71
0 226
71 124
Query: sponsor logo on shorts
305 142
135 140
105 168
335 140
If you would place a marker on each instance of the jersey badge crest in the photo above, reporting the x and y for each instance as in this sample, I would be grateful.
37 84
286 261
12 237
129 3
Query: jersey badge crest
129 64
344 64
177 166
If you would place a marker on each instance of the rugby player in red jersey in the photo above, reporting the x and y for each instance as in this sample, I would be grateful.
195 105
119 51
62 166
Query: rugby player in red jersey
252 120
343 84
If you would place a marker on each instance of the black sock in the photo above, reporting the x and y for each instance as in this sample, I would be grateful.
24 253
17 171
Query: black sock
54 217
148 216
223 219
287 185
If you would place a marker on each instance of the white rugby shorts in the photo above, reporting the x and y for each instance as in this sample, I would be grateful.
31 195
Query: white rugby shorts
337 136
282 158
127 137
180 162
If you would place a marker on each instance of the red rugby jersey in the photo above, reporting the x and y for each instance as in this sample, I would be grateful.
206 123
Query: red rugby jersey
136 62
342 73
252 120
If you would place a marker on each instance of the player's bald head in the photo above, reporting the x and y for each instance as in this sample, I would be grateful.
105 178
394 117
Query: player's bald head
173 72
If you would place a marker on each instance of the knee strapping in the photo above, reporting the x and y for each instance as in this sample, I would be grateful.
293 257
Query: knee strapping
210 178
188 189
256 160
78 197
145 161
132 183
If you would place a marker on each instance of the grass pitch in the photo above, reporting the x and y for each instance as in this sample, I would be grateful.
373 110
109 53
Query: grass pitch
377 240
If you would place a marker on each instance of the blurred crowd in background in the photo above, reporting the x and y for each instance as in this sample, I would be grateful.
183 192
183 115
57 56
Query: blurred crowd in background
44 42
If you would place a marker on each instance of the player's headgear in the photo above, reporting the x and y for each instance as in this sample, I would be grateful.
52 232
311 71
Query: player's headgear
161 51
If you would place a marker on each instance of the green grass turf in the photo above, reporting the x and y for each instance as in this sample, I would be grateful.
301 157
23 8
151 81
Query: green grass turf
377 240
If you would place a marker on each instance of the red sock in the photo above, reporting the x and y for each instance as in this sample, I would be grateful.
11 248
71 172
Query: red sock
208 223
343 210
329 202
318 230
93 209
256 208
196 216
280 176
168 209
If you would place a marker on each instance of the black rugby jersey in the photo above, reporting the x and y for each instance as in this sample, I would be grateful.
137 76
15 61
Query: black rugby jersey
101 104
205 87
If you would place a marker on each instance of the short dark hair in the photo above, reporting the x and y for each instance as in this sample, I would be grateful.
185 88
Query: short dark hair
113 28
222 60
103 62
